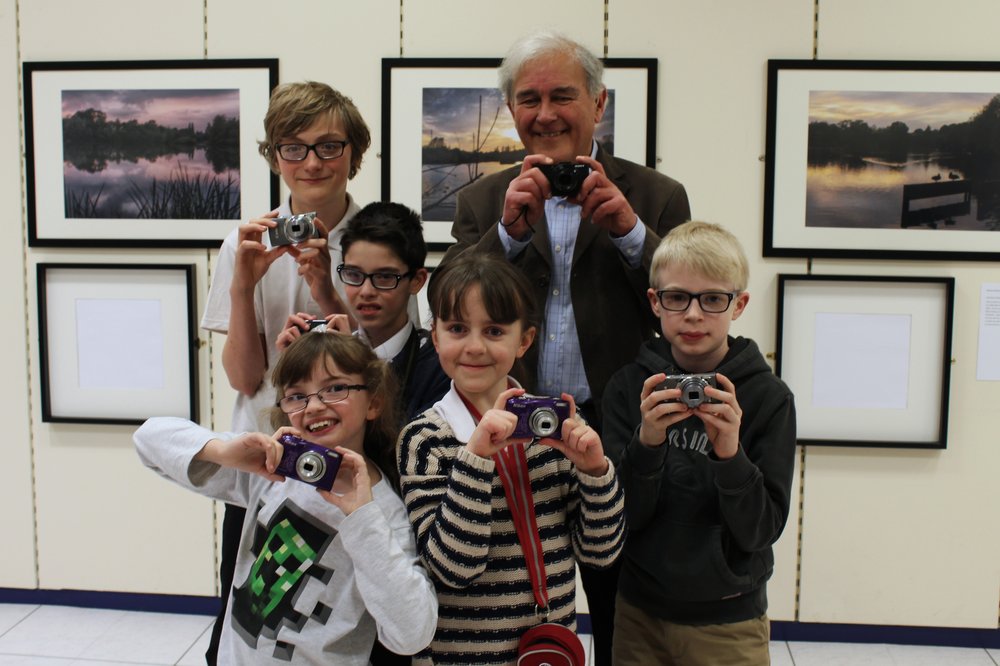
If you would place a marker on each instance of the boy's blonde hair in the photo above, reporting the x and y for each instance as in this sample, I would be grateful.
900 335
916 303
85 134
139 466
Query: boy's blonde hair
294 107
708 249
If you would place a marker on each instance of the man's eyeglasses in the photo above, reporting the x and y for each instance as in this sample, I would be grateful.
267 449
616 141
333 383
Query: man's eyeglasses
297 152
712 302
329 395
384 281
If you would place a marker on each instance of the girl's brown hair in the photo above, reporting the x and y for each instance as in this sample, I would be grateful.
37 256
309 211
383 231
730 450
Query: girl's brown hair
506 293
351 356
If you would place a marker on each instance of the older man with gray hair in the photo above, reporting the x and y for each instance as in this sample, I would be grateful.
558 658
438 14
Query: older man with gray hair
582 224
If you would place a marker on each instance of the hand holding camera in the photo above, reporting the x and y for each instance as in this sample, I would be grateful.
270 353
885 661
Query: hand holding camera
710 397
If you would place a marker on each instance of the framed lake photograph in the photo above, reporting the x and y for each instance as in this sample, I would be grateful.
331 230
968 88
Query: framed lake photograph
445 125
883 160
159 153
118 343
867 357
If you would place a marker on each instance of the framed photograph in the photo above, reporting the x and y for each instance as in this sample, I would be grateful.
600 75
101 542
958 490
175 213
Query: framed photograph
883 160
159 153
445 125
868 358
117 342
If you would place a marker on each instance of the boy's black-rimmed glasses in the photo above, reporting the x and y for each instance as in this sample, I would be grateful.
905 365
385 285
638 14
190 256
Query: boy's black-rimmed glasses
297 152
384 281
712 302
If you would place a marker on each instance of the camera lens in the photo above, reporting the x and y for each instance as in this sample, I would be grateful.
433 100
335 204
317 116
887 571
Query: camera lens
693 391
543 422
310 466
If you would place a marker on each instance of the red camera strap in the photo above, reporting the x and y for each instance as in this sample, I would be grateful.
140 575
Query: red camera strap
512 467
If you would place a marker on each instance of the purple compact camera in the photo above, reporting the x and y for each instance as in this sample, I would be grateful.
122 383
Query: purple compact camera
307 462
692 388
538 416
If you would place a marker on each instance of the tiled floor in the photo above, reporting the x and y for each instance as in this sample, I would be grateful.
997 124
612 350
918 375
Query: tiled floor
63 636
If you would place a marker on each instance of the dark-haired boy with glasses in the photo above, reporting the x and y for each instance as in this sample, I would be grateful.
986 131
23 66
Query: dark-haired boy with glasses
707 477
382 271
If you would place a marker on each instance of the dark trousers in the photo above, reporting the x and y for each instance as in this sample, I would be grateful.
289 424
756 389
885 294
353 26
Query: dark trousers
600 585
601 588
232 532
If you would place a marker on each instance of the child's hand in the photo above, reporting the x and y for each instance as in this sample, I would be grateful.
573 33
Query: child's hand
252 452
294 326
354 469
316 268
494 429
658 415
722 419
580 443
253 257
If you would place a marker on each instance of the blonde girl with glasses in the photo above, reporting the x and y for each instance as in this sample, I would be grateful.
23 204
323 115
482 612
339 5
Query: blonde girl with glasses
320 572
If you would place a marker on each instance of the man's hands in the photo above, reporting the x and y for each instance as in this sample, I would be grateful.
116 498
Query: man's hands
600 199
721 419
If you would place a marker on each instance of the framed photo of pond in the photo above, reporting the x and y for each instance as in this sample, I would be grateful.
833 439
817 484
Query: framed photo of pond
159 153
867 357
445 125
883 160
118 343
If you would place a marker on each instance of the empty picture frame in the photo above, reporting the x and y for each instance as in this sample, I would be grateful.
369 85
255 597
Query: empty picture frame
867 357
117 342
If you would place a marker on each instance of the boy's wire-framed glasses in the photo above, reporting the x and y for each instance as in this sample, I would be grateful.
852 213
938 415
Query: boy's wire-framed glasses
712 302
298 152
384 281
327 395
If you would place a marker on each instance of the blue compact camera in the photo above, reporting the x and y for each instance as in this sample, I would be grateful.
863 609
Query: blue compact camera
538 416
307 462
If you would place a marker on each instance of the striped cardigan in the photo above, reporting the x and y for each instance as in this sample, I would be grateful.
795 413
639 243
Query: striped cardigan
467 540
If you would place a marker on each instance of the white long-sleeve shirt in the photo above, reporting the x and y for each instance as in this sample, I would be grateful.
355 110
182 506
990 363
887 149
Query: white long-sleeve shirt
311 585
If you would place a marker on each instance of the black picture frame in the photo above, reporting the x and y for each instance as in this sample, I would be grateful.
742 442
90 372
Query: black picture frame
867 357
149 153
111 340
406 100
879 160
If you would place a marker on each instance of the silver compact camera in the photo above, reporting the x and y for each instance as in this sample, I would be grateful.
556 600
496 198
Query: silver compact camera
692 388
293 229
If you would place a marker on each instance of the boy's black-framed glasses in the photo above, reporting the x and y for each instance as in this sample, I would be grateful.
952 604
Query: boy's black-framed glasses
297 152
384 281
712 302
328 395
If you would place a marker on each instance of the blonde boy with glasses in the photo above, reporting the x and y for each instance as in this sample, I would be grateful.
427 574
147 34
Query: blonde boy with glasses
703 435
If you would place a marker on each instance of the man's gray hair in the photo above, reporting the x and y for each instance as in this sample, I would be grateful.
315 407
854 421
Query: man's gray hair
548 43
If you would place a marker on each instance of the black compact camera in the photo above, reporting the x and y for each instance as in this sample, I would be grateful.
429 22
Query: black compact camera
565 177
318 325
294 229
538 416
307 462
692 388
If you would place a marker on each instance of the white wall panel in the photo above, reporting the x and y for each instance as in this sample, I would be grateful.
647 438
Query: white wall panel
711 106
111 29
461 29
909 29
16 492
105 522
338 42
